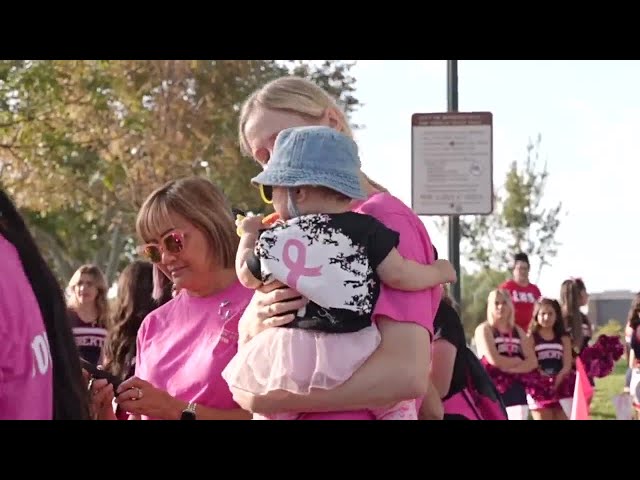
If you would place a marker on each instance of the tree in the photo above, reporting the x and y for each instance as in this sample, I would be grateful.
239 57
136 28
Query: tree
82 143
519 222
475 291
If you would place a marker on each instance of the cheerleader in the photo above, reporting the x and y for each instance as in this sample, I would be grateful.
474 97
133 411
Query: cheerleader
573 295
554 354
505 347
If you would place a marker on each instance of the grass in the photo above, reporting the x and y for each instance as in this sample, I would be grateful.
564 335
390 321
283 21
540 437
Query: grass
606 388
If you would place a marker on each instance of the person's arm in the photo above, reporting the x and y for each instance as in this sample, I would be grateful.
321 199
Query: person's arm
486 347
175 407
157 403
567 357
246 261
397 370
399 271
408 275
530 361
442 363
431 408
567 360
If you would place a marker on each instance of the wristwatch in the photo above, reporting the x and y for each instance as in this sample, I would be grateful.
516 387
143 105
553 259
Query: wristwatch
189 413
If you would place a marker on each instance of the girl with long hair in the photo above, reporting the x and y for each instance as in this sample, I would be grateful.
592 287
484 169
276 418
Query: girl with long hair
134 301
41 375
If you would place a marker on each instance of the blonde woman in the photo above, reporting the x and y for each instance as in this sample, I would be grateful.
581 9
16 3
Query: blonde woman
88 311
405 319
503 344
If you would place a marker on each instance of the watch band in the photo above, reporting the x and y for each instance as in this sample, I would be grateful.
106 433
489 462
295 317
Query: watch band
189 413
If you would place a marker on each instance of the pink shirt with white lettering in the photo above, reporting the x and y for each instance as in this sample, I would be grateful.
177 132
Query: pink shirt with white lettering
26 382
416 307
183 346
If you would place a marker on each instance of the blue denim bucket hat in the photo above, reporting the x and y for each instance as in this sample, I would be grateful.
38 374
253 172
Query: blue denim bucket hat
315 156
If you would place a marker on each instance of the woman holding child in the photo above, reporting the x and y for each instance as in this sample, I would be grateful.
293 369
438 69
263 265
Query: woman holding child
404 319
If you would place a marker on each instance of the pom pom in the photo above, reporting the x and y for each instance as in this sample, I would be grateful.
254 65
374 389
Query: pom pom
600 358
501 380
611 346
539 386
567 386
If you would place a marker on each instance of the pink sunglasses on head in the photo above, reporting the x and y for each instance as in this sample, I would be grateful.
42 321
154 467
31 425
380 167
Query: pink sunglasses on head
172 242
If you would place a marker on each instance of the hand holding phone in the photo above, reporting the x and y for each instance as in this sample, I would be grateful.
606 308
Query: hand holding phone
97 373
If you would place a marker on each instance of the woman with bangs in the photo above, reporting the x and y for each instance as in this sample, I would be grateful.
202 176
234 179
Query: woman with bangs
505 346
405 319
183 346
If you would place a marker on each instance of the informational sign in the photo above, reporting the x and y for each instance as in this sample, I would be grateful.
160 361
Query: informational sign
452 163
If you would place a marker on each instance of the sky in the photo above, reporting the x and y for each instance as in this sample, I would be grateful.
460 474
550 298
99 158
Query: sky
588 113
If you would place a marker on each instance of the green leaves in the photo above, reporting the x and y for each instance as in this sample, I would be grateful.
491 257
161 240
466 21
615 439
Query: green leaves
82 143
475 291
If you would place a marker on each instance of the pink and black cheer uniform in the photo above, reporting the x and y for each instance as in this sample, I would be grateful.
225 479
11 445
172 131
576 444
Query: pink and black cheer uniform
510 345
457 403
586 338
89 338
550 354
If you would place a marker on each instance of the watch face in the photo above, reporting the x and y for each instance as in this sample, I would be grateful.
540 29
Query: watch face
188 416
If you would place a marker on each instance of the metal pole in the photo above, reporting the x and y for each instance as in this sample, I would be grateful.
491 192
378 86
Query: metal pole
454 220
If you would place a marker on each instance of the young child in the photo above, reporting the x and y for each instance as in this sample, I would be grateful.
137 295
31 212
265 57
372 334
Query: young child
554 352
333 257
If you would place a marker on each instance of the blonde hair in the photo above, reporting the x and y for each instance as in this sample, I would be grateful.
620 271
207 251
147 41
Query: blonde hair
101 303
491 306
199 202
298 96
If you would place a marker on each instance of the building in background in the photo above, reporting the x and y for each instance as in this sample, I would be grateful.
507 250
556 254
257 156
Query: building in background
611 305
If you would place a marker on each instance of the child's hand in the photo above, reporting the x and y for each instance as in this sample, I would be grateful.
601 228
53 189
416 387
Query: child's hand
559 379
251 225
446 270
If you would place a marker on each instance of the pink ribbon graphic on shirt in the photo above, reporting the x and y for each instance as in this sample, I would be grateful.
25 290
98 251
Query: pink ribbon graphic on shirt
298 268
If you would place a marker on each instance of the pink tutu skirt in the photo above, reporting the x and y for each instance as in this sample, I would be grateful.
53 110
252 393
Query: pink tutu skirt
297 360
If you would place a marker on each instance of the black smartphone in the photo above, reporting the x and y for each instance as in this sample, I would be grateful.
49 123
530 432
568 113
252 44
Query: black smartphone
237 211
96 372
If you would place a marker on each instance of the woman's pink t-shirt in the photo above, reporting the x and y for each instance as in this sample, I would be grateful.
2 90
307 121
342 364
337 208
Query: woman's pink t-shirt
183 346
416 307
26 381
